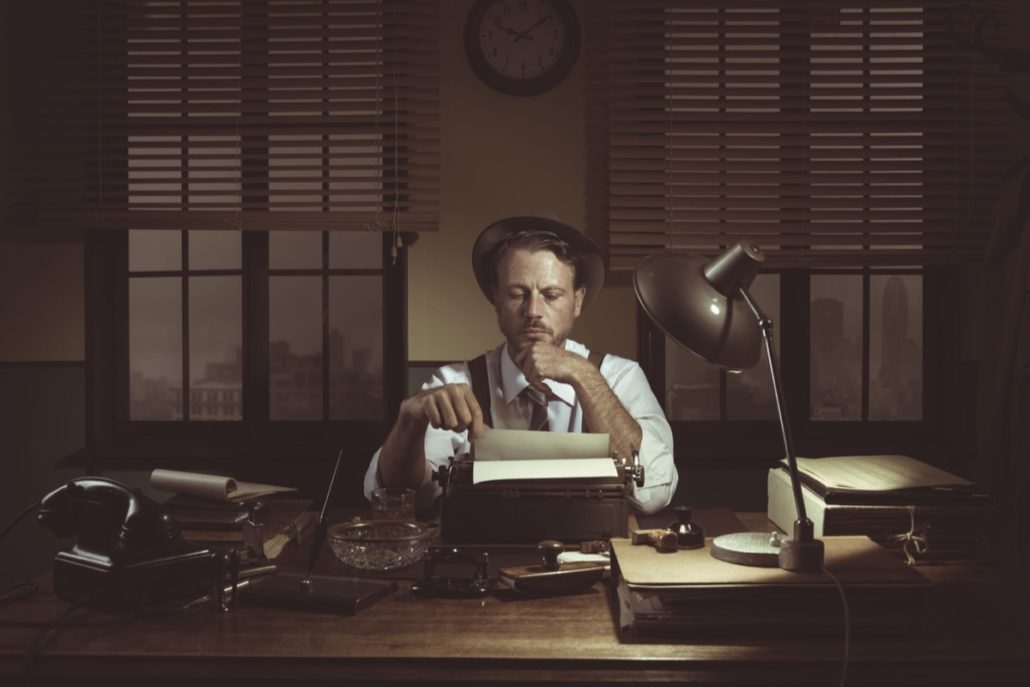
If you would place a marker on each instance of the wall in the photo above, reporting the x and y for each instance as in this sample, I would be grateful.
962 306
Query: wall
41 302
42 389
502 156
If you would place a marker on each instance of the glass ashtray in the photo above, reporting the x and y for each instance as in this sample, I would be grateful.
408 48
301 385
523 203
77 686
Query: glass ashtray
381 545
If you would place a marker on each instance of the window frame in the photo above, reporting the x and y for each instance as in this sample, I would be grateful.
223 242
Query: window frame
935 438
113 440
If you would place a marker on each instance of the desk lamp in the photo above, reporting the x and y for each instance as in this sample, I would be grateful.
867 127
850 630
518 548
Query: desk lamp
705 306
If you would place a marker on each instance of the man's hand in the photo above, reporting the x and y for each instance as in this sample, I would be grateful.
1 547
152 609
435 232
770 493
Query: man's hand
452 407
543 360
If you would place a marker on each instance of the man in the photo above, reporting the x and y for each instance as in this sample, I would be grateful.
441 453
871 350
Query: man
539 274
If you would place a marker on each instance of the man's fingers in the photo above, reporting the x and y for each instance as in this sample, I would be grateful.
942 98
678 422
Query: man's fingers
452 407
459 397
447 415
431 411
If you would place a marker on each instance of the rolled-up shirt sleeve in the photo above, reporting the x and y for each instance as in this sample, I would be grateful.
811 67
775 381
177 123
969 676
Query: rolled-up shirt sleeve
629 384
440 444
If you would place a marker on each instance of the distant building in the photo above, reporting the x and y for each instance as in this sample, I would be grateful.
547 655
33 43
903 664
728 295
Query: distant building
897 391
836 373
296 387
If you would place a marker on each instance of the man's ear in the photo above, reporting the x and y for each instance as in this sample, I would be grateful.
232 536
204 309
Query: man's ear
581 293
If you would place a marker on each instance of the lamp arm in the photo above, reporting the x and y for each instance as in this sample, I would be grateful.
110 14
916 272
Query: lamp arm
766 325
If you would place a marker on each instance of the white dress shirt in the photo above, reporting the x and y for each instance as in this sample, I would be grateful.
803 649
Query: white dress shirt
564 413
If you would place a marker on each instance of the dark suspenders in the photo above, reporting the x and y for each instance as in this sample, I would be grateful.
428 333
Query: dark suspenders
481 381
481 386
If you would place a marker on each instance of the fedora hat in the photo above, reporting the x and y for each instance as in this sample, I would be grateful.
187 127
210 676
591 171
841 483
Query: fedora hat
591 263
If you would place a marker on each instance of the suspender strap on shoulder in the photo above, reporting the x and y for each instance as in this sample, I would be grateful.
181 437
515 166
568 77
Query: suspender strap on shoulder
481 381
481 386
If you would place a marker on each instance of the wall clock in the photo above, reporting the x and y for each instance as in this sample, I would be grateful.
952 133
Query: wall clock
522 47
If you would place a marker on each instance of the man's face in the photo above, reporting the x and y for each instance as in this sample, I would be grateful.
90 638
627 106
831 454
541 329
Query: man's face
535 298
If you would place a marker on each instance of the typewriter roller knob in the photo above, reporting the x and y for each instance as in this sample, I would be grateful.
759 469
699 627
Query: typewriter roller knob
632 470
549 549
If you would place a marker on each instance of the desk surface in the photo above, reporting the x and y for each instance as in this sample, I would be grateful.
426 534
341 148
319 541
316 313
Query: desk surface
502 638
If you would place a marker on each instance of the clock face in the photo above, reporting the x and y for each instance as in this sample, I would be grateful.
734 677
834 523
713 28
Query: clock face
522 47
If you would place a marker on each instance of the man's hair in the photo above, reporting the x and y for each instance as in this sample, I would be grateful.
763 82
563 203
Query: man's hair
534 240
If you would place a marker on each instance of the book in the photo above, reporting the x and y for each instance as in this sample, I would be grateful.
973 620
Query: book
284 522
211 519
204 514
666 594
934 529
185 502
211 487
886 480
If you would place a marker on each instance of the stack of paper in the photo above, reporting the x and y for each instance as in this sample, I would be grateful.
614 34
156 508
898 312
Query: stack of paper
224 513
517 455
689 592
915 508
211 487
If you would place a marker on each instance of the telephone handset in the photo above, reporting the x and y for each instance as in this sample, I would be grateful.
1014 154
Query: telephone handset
129 550
111 519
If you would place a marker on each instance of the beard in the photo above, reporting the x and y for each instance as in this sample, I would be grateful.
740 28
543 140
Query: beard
532 331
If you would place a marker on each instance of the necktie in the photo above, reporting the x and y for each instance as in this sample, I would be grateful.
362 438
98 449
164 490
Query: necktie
538 403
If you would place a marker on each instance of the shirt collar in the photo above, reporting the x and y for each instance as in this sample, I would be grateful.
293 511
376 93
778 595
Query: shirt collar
513 381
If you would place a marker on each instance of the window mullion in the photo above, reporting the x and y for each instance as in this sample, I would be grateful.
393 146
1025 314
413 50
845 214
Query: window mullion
185 310
255 330
795 345
325 326
865 344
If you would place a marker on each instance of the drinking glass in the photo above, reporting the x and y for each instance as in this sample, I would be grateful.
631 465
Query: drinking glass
393 504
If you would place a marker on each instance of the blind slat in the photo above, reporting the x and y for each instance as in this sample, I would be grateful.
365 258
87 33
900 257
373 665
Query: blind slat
193 114
857 134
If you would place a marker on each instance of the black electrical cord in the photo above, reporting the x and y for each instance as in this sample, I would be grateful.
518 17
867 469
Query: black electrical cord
19 590
17 519
45 629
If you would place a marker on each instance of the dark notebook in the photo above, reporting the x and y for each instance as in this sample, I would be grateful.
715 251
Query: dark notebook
326 594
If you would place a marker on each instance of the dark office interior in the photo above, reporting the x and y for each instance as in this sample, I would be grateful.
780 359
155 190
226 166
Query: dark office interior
234 236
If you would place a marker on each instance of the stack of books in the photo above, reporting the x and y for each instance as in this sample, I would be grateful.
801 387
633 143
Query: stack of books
222 513
919 511
688 593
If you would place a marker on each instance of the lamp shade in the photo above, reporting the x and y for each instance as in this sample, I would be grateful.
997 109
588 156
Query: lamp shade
696 301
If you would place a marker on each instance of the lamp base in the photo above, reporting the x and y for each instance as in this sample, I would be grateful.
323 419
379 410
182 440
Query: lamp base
800 555
747 548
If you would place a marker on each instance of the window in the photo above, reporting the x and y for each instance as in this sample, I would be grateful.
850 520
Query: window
200 346
265 339
858 143
253 171
864 356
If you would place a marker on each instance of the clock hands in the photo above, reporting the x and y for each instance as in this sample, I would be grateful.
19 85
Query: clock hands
513 32
519 35
525 34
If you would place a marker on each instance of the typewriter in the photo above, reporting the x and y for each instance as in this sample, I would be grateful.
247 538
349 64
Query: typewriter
526 511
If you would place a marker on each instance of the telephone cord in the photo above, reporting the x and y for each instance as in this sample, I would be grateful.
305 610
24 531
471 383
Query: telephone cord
18 519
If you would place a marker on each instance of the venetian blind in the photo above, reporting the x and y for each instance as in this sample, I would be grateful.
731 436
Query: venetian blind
252 114
832 133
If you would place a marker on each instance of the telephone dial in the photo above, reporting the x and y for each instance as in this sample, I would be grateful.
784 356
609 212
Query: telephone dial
129 552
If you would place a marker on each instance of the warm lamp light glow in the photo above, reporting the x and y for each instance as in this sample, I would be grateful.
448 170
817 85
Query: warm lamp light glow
705 307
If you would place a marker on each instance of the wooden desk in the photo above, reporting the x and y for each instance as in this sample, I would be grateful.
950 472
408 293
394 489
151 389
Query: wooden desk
500 639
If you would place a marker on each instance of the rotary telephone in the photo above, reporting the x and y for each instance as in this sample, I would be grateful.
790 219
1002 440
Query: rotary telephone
129 551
